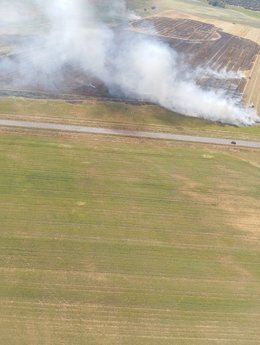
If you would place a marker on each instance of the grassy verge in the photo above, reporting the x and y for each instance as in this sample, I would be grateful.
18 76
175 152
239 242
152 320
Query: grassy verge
117 241
119 115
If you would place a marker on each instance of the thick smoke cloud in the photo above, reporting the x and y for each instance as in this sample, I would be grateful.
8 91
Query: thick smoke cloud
78 32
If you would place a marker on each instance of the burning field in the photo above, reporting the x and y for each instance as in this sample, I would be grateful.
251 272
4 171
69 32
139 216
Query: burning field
71 83
77 55
222 60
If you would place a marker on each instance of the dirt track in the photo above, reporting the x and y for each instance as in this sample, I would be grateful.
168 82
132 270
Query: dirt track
135 134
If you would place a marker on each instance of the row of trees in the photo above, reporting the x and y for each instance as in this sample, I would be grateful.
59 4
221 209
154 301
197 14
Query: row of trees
217 3
250 4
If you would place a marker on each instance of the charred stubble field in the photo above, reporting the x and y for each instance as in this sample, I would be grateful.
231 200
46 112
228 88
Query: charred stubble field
201 45
107 240
208 47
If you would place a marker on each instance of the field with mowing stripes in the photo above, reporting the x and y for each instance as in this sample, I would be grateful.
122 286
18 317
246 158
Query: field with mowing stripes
105 241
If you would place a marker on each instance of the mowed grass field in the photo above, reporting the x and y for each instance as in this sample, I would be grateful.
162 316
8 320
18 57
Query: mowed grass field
106 240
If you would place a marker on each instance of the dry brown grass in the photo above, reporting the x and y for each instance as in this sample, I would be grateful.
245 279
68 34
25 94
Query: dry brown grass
252 90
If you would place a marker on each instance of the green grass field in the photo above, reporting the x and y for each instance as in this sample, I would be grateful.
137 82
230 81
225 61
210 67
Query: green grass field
200 8
120 116
106 240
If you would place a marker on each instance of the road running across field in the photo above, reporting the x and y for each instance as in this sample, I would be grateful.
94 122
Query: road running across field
125 133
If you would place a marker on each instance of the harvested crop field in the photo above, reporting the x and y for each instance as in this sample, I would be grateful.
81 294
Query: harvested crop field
229 24
106 241
182 29
252 93
205 46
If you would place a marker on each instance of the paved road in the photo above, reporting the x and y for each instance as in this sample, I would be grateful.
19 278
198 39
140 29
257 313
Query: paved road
136 134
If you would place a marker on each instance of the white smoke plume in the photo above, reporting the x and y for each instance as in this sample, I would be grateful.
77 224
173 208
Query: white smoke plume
220 74
129 64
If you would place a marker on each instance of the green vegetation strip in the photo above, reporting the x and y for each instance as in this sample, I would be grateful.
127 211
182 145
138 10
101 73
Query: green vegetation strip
119 116
107 240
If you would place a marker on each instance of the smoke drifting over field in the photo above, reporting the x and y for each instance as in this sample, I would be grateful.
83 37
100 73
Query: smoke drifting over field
129 64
